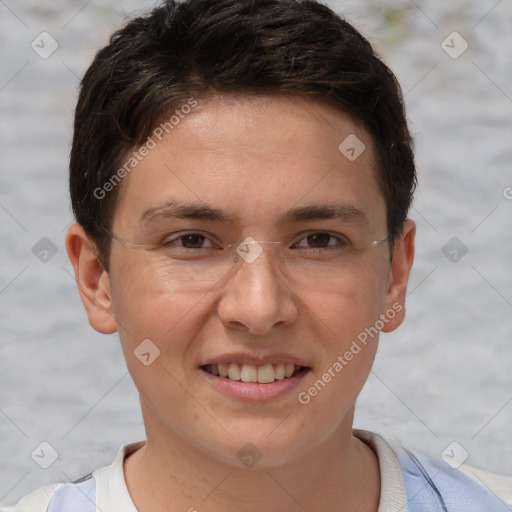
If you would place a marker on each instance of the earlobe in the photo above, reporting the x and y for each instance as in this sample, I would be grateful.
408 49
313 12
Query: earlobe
92 280
403 257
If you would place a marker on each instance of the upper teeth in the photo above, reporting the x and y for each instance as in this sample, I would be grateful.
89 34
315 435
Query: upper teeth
250 373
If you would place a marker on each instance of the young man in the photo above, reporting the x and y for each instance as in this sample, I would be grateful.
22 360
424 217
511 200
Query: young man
241 174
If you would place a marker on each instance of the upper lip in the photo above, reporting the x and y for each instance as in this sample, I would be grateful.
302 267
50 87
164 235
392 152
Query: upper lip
256 360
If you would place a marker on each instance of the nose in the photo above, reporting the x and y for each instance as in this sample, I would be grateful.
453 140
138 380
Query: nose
256 298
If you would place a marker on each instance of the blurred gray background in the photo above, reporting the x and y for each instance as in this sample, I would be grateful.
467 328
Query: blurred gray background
444 376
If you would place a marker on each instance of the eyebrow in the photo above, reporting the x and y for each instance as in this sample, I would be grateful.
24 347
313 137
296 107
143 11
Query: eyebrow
320 212
199 211
171 209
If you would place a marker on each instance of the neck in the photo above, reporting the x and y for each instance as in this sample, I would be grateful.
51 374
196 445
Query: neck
168 474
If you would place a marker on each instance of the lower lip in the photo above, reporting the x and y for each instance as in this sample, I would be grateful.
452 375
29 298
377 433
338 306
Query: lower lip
253 391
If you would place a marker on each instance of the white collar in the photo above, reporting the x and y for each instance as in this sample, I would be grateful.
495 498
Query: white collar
392 489
112 493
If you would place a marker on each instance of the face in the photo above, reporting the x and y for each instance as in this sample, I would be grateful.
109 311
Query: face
268 168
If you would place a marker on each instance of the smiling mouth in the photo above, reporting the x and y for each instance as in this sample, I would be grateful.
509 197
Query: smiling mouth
264 374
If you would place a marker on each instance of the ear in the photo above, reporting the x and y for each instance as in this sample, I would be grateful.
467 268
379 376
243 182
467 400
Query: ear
92 280
403 257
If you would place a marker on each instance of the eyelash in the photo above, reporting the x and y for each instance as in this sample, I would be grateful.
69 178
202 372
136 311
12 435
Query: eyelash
342 241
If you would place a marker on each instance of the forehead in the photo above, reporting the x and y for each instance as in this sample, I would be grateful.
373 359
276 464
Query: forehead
255 158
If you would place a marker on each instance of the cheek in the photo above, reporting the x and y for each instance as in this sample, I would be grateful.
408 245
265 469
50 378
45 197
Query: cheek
346 330
142 301
346 321
146 308
350 304
156 327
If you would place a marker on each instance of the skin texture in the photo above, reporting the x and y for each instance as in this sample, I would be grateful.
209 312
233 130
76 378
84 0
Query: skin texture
255 158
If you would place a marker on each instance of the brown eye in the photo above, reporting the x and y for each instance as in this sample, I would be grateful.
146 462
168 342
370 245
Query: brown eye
319 240
192 240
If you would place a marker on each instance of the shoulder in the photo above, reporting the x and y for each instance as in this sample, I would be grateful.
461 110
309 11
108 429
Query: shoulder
499 484
429 478
37 501
79 496
104 489
417 482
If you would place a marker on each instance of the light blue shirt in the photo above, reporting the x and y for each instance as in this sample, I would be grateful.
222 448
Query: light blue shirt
410 482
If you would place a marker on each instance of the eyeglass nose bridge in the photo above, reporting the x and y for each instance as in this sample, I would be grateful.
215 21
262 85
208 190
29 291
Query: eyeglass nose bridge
250 248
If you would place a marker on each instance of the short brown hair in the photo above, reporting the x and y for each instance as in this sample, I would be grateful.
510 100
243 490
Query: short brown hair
196 48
